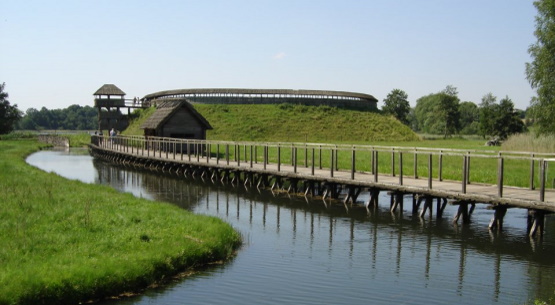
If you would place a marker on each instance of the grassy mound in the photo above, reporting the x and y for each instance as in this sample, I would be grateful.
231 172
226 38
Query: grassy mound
65 242
295 123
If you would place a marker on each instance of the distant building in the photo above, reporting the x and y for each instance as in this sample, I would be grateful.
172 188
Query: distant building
340 99
176 118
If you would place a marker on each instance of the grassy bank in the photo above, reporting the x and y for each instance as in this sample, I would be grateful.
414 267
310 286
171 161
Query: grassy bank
293 123
64 241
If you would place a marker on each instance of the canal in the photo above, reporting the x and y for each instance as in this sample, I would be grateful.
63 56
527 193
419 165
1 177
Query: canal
300 251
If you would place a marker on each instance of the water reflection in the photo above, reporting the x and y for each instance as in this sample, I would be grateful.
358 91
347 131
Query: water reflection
308 251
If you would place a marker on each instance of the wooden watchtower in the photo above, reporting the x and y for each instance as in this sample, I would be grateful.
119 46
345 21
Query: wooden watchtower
109 100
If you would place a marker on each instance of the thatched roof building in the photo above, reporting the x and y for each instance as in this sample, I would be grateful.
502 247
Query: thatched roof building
109 89
176 118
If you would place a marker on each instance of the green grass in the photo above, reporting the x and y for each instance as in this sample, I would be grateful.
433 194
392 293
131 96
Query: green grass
293 123
138 117
64 241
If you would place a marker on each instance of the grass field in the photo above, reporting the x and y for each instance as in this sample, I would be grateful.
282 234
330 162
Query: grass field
292 123
66 242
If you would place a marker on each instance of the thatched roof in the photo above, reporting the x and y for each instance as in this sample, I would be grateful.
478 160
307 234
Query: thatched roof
166 108
109 89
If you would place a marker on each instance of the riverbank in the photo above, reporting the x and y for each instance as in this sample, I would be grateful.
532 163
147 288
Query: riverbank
65 241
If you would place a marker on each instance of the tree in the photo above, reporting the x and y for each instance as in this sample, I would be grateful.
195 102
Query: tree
74 117
448 111
507 119
396 103
541 71
487 113
438 113
9 114
499 120
469 118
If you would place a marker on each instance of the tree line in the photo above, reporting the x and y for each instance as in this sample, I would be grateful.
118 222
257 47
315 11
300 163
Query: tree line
74 117
444 114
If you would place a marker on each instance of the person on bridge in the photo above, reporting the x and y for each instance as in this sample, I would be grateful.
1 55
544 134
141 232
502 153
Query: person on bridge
113 134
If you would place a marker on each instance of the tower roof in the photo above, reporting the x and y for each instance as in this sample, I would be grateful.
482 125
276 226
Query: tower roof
109 89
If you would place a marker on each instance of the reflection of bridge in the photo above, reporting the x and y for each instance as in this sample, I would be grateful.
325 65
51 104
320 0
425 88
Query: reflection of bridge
332 171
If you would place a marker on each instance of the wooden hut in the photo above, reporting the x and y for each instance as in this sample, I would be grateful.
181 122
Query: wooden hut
176 118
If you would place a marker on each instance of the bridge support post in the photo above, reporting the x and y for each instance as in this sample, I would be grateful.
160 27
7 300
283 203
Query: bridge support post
536 222
397 202
352 194
373 200
428 204
464 211
441 204
497 220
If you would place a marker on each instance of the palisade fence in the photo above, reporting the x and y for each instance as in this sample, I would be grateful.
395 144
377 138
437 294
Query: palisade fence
501 168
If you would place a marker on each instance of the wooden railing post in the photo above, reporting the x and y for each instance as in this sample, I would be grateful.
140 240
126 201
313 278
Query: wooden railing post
265 156
320 156
464 172
208 152
500 177
295 160
331 162
227 153
336 158
440 166
353 163
305 156
430 171
532 172
312 163
415 164
376 163
400 168
218 153
251 155
279 158
543 164
238 154
393 162
292 157
372 161
468 169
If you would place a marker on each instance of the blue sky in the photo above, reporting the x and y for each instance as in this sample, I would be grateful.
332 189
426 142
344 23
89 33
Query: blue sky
58 53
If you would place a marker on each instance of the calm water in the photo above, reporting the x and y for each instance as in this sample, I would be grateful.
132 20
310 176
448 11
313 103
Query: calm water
301 251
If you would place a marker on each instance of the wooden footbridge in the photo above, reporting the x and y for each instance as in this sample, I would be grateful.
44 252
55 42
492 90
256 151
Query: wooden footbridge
502 180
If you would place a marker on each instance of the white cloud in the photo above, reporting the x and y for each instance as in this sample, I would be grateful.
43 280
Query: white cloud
280 55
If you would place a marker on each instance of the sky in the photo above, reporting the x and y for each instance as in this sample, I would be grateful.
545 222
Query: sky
55 54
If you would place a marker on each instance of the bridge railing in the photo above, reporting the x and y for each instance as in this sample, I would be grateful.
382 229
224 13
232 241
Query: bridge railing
501 168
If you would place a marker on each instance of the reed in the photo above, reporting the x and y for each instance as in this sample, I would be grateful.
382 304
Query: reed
530 142
65 242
